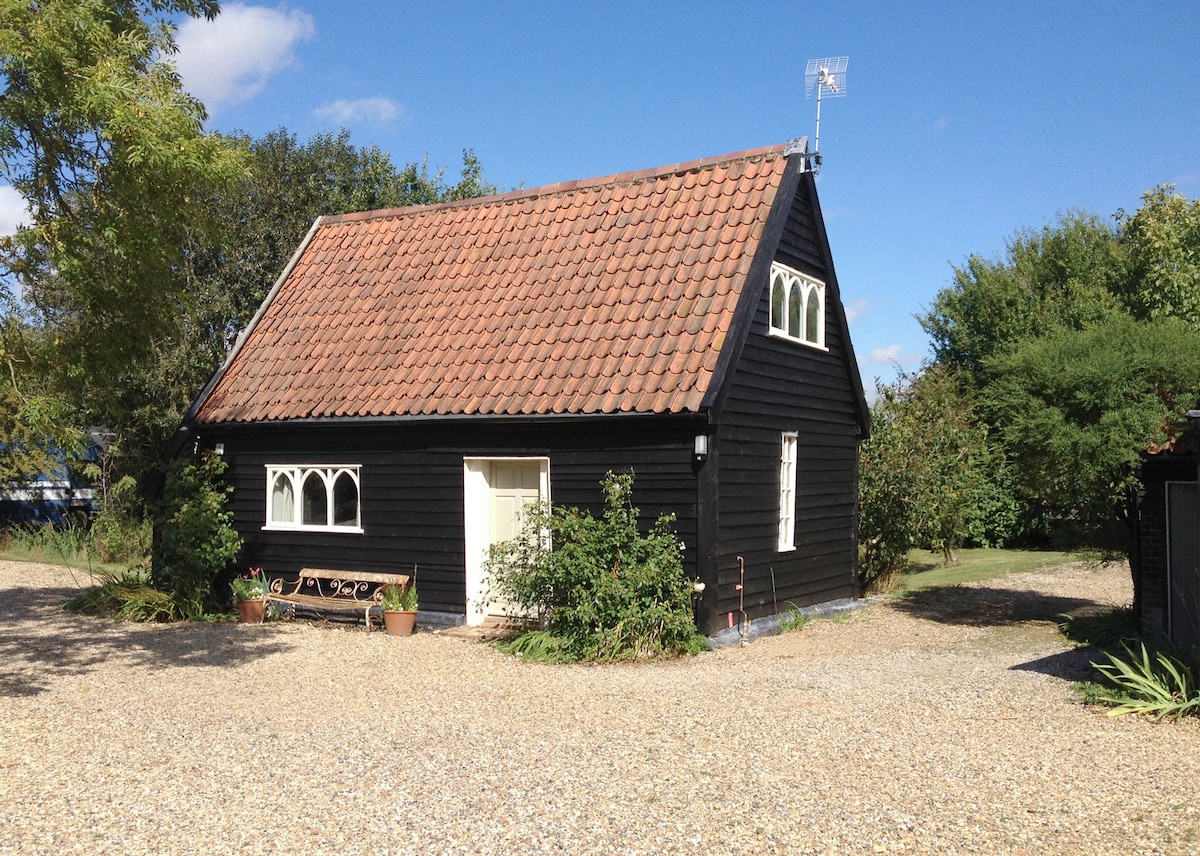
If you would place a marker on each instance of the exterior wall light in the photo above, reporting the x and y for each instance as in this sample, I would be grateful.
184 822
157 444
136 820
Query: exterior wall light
701 447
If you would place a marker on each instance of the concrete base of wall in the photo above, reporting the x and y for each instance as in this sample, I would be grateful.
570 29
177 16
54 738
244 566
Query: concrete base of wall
769 625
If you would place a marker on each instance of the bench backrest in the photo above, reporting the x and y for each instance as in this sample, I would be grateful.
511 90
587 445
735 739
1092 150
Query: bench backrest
351 585
356 576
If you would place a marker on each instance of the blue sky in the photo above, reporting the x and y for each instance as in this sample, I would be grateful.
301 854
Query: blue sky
963 122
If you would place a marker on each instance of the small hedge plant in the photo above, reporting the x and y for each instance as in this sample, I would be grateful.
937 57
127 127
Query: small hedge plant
198 541
600 589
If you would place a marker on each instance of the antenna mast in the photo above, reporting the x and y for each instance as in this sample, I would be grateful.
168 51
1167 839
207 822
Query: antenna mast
827 77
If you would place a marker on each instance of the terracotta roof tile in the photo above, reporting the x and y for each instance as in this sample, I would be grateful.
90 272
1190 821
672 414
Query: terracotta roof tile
595 296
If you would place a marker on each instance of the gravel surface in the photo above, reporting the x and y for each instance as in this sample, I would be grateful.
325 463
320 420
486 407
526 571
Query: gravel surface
942 724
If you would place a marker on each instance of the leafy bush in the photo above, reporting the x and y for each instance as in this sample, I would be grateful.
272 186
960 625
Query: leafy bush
930 477
119 531
1163 687
121 539
603 591
198 540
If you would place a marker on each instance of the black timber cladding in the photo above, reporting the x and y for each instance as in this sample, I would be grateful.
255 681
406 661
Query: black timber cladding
412 487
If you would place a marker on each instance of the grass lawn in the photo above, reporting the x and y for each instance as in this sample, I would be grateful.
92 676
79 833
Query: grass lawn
77 561
927 569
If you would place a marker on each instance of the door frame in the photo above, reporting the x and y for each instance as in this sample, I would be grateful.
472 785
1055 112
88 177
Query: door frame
1182 583
477 520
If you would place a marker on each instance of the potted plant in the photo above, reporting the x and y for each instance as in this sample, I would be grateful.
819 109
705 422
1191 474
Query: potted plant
400 608
250 592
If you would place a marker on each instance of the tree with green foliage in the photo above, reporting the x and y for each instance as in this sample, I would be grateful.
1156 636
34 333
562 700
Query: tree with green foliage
929 478
1078 345
31 414
1163 244
1075 410
110 155
1066 275
602 590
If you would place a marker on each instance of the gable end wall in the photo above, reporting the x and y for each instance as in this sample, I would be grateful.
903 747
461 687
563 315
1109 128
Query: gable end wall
780 386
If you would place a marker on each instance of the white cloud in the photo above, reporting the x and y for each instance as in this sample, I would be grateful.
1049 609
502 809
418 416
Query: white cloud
377 109
895 355
855 309
13 212
231 58
890 354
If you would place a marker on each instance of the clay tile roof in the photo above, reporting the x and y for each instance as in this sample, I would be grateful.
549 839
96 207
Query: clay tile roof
587 297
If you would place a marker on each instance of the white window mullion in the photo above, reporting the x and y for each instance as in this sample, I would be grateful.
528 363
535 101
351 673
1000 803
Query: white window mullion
297 495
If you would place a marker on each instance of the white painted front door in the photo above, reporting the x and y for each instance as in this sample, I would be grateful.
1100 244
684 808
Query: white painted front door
497 491
513 486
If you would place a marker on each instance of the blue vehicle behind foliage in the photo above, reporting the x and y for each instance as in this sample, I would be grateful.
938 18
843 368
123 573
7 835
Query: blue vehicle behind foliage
59 497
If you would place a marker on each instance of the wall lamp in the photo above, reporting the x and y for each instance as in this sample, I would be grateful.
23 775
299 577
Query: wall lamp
701 447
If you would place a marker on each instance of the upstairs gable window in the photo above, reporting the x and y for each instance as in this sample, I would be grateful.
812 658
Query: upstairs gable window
797 307
322 498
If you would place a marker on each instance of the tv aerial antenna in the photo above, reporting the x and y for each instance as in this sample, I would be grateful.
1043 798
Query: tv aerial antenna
827 78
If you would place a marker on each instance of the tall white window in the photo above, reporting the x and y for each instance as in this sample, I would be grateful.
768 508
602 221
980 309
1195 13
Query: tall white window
324 498
797 306
787 492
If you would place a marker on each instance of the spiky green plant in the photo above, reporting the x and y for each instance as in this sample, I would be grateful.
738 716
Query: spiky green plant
126 596
1162 687
538 645
793 619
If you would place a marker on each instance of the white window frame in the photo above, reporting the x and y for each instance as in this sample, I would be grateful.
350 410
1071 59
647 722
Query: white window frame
297 475
787 491
811 335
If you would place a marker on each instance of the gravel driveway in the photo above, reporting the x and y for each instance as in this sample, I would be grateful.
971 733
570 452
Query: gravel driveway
944 724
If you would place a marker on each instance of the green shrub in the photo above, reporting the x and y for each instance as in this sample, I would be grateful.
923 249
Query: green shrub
1162 687
198 540
128 596
117 539
603 591
1102 629
119 531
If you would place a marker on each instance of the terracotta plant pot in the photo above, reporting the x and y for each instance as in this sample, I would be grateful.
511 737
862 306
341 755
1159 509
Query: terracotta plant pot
251 611
399 623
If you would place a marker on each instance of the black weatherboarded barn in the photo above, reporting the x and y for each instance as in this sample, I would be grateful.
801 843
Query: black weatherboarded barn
417 375
1165 556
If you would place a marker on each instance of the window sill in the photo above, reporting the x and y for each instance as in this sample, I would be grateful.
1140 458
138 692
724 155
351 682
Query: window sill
788 549
779 334
291 527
